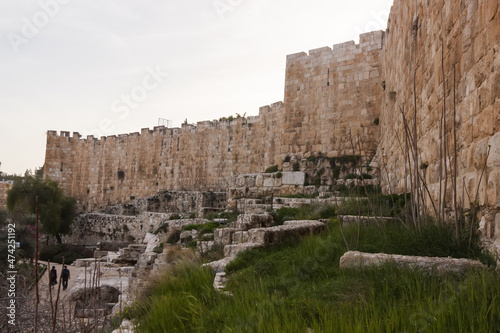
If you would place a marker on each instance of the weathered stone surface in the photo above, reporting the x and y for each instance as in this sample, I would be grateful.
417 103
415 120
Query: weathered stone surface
365 219
233 250
125 327
151 241
470 31
354 259
293 178
204 246
497 226
494 144
224 235
220 281
276 235
250 221
240 237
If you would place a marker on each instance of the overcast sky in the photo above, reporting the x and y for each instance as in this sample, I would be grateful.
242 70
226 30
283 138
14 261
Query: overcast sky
105 67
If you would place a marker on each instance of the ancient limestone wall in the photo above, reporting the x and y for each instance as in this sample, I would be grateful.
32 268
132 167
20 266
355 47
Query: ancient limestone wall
204 157
470 31
329 94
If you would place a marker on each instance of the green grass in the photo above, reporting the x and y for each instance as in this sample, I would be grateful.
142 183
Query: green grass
304 212
296 286
204 228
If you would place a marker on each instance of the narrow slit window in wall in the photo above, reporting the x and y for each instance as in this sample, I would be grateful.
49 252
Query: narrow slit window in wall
178 143
328 78
62 164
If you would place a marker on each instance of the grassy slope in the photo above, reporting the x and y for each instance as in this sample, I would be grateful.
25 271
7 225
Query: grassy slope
299 285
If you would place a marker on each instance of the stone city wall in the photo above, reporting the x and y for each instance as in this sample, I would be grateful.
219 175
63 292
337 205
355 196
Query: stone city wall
329 94
470 31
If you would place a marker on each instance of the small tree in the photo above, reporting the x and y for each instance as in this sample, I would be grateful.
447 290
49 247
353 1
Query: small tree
56 210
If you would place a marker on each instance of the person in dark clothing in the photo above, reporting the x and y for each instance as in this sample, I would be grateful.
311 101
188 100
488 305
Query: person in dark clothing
65 275
53 276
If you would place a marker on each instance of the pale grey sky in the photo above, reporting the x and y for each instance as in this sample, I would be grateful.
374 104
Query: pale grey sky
105 67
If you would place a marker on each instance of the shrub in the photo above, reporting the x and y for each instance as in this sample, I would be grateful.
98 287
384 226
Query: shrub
296 166
162 228
174 237
55 253
158 249
336 172
342 189
348 159
272 169
279 174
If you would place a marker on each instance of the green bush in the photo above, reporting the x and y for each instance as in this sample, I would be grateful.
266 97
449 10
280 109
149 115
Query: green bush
158 249
55 253
279 174
162 228
296 166
348 159
272 169
336 172
174 237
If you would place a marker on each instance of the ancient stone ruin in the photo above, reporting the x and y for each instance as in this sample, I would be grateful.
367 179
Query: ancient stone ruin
348 99
424 94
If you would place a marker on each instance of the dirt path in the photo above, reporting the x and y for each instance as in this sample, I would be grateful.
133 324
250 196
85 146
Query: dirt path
44 281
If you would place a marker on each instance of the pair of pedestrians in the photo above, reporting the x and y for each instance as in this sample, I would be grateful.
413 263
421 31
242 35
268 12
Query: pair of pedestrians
65 276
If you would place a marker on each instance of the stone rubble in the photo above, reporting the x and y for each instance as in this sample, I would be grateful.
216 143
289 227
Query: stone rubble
355 259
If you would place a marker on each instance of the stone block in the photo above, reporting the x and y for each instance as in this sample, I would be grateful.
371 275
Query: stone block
268 181
240 237
224 236
293 178
204 246
496 228
355 259
232 250
494 157
259 181
250 221
250 181
493 189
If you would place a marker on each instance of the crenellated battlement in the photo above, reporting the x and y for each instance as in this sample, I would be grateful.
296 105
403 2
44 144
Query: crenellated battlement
340 52
185 128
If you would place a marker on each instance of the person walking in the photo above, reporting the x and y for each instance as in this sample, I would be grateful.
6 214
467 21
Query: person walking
53 276
65 275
